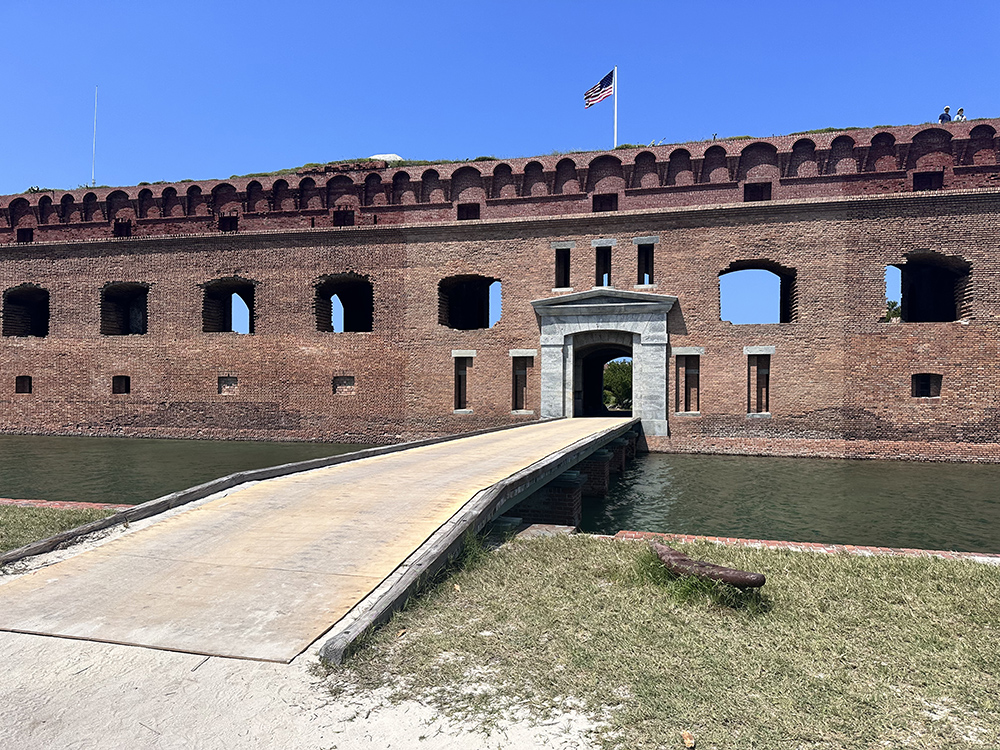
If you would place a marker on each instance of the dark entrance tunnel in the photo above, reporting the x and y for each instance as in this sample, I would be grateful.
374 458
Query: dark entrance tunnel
592 362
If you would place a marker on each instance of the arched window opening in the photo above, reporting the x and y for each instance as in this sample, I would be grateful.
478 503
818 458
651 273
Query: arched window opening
26 311
469 302
344 304
757 292
124 309
228 306
934 289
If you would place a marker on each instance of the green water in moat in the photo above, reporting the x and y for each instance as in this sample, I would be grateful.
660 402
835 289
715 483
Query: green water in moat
881 503
129 470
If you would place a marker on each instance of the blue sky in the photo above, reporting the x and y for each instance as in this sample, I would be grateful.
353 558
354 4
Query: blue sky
213 89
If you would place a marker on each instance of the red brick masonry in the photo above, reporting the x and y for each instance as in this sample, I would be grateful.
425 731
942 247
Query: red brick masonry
830 549
61 505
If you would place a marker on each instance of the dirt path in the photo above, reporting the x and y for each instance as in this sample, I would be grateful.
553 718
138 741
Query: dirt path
58 693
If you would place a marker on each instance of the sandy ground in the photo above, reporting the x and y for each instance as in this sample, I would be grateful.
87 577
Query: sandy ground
62 693
67 694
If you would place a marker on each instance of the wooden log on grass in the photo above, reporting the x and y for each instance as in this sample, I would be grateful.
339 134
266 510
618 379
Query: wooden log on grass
681 564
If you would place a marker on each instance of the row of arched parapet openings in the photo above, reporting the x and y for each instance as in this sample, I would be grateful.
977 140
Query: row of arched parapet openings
658 167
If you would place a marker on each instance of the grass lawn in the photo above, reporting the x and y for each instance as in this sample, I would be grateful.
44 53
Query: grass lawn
19 525
836 652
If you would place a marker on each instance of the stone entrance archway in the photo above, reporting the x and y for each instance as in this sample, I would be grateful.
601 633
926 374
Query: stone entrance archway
576 325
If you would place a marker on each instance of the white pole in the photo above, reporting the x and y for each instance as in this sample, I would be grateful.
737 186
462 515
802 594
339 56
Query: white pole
616 106
93 163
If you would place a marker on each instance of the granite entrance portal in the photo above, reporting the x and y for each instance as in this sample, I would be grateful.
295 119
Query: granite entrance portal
580 330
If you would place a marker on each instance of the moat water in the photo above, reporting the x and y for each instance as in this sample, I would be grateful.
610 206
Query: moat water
880 503
131 471
883 503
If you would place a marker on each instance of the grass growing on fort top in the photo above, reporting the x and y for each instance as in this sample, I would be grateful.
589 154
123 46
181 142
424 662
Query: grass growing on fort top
20 526
837 652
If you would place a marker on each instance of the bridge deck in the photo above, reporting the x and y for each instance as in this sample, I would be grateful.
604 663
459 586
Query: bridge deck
263 571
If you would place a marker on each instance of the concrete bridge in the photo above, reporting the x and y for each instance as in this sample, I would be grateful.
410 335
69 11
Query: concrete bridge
263 569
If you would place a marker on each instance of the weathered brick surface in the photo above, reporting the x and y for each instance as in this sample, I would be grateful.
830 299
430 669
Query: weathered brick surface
840 379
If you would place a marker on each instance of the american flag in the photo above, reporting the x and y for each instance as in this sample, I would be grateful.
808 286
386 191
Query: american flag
601 91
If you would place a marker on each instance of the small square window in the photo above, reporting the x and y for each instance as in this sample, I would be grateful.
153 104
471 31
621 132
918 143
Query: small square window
343 218
121 384
22 384
26 234
606 202
928 180
757 191
343 385
229 222
467 211
227 384
123 228
925 385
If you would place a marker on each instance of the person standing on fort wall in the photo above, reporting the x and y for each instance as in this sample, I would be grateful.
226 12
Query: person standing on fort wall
960 115
945 116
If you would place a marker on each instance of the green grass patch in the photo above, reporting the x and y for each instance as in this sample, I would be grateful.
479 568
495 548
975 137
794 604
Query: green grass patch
833 652
20 525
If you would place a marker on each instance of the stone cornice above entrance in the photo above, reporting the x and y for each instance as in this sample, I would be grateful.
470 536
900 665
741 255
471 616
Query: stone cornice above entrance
604 302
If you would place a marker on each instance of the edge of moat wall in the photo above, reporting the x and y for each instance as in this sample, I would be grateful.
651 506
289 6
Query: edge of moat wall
819 547
880 450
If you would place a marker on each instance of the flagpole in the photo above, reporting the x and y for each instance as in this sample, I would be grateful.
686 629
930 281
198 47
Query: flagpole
616 106
93 163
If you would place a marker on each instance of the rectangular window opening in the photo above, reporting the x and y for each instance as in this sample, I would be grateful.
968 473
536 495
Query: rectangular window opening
122 228
22 384
603 274
121 384
562 268
757 191
343 385
462 365
342 218
467 211
759 384
26 234
928 180
519 382
925 385
227 384
687 382
229 222
606 202
645 264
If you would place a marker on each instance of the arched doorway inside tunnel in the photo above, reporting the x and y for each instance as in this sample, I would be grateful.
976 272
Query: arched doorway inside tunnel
600 387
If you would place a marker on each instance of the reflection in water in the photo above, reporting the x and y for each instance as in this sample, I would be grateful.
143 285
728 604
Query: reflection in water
131 470
881 503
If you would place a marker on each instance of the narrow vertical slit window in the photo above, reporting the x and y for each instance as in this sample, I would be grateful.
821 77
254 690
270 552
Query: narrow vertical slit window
562 268
22 384
603 274
687 383
758 384
645 253
519 382
462 365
